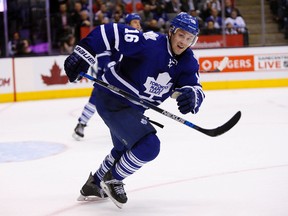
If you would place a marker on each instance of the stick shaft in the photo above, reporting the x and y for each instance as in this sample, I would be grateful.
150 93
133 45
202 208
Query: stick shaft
210 132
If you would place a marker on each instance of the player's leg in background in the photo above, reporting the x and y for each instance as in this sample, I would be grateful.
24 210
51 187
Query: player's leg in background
88 111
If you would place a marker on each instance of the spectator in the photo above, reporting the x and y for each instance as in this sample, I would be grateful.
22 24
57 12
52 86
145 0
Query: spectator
146 16
186 5
282 16
160 15
85 5
25 49
102 16
215 4
13 45
84 21
237 21
172 7
14 15
274 7
117 18
153 26
118 13
229 29
119 8
62 25
76 13
155 5
217 20
210 29
208 5
229 7
96 6
68 45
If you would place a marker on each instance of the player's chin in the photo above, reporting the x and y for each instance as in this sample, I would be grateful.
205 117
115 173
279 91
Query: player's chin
178 51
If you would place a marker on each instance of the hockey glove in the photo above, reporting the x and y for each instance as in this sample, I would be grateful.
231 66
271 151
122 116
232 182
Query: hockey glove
79 61
189 99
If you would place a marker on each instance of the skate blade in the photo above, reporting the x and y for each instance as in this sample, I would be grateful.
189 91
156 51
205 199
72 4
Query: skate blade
76 137
106 190
90 198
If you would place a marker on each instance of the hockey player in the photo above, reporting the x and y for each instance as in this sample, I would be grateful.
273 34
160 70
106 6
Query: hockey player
153 67
133 20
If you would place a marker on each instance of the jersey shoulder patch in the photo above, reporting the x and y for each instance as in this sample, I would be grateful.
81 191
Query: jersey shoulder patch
150 35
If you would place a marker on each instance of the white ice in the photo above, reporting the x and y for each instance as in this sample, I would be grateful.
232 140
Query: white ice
241 173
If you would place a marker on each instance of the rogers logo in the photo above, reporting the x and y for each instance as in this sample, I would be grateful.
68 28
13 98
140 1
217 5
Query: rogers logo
240 64
235 63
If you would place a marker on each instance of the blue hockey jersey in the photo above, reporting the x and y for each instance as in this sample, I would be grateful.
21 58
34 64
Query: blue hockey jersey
148 68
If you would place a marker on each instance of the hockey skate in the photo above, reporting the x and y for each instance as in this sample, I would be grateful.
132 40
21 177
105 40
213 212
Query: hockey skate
79 131
91 192
114 189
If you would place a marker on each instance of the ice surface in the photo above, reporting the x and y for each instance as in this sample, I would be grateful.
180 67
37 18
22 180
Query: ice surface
241 173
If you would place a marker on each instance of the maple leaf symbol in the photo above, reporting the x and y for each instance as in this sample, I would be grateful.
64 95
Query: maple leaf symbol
159 86
56 77
150 35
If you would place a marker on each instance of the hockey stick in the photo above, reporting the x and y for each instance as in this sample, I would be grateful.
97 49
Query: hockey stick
210 132
221 66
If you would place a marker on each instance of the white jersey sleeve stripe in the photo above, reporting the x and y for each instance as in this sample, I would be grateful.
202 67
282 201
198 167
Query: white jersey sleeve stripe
116 33
123 81
106 53
104 36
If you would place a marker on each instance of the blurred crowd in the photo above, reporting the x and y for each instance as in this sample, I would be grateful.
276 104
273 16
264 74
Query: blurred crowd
279 9
67 17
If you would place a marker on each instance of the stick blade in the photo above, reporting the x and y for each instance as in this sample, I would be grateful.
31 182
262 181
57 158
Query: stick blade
223 128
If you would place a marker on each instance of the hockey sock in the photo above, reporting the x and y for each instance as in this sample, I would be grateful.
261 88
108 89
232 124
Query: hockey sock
106 165
144 151
87 113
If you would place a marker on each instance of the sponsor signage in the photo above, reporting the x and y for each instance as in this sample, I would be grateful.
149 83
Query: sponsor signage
247 63
271 62
218 41
235 63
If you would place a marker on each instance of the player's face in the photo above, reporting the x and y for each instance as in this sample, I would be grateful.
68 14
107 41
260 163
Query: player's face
181 40
136 24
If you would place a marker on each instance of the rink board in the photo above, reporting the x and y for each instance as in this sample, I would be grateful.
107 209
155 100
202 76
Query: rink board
36 78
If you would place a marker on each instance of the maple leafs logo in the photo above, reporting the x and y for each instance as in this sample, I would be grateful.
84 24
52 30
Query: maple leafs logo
56 77
159 86
172 62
